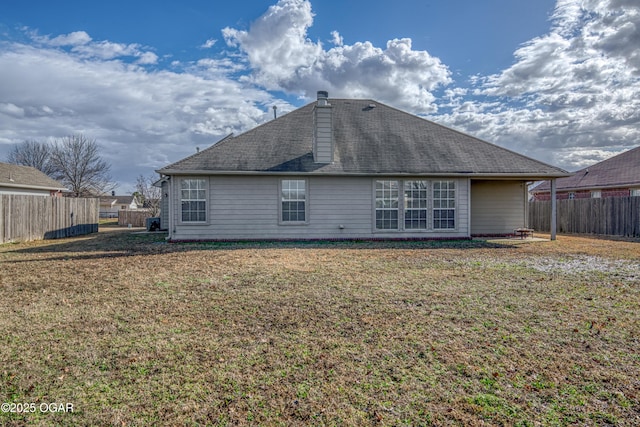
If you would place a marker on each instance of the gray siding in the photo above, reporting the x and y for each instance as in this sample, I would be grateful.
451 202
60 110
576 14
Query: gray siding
245 207
497 207
24 191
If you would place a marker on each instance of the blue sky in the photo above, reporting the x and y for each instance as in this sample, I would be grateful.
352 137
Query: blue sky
151 81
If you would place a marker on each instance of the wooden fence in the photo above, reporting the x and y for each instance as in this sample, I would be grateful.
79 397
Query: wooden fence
25 218
614 216
137 218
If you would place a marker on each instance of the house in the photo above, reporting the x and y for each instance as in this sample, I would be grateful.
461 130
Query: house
618 176
348 169
26 180
110 205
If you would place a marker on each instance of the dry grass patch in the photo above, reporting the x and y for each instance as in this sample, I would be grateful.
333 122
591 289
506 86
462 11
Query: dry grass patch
134 331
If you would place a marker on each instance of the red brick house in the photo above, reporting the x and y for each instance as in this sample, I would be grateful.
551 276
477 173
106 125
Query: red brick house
618 176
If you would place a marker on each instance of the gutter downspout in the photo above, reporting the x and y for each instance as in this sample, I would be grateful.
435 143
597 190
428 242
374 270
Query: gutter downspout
525 188
469 207
171 227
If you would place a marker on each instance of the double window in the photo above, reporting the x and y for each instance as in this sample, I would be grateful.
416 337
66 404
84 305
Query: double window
193 196
415 207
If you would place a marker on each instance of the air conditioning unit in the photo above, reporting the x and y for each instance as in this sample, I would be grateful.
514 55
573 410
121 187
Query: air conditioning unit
153 224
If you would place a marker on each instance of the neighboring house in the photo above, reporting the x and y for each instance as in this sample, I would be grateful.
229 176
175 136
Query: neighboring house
110 205
349 169
26 180
618 176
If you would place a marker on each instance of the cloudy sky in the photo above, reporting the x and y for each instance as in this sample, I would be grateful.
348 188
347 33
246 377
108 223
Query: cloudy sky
150 81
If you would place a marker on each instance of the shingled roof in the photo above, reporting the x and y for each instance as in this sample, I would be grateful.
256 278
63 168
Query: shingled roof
27 177
622 170
369 138
117 200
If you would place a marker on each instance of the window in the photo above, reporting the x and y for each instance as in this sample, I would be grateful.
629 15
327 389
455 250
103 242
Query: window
415 205
387 194
294 196
572 196
635 192
444 204
194 200
596 194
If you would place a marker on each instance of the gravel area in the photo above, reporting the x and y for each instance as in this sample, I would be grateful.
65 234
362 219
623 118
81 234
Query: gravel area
581 264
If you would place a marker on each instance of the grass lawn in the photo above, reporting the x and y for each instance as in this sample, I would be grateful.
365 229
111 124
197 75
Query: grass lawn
133 331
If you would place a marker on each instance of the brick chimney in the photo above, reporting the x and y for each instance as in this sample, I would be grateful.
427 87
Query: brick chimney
323 135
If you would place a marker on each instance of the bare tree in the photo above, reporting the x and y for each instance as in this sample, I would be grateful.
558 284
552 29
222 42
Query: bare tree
77 164
32 153
147 195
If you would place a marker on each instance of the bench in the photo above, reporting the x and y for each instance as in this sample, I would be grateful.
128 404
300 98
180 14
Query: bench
523 232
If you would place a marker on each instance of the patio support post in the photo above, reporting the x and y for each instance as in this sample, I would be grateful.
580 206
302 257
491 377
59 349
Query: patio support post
554 218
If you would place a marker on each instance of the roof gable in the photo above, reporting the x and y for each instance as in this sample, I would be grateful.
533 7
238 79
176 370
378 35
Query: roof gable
27 177
125 200
119 200
620 170
369 138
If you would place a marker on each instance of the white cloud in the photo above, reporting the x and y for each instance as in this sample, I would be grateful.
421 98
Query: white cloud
582 158
336 38
11 110
282 57
141 119
209 44
276 44
107 50
79 42
570 93
76 38
147 58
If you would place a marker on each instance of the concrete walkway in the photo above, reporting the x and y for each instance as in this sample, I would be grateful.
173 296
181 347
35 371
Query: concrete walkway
515 240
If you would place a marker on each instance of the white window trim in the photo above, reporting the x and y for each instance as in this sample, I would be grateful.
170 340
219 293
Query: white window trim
207 198
375 208
306 203
455 208
401 207
427 207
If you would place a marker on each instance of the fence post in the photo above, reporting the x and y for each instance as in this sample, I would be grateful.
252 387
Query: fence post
554 218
